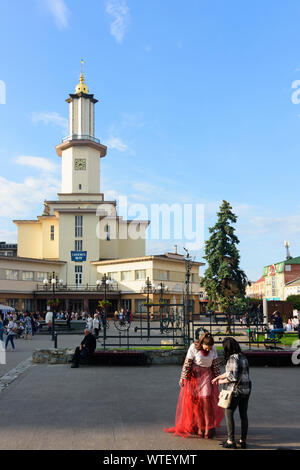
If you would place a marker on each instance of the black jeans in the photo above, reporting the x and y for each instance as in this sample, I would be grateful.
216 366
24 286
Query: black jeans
240 401
83 354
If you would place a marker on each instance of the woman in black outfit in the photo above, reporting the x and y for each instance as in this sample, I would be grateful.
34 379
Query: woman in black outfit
237 372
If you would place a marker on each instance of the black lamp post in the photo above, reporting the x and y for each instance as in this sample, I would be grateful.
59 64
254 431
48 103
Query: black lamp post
53 280
148 288
188 268
163 322
162 289
104 284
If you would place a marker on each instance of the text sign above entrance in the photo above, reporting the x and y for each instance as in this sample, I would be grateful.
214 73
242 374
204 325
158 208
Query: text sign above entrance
78 256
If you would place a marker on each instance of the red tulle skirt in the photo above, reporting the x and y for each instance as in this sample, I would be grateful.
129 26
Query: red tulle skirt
197 408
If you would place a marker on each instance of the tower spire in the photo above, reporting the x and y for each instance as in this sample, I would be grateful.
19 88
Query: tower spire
81 87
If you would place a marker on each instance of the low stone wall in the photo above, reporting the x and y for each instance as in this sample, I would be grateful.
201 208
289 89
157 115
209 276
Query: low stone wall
64 356
52 356
173 356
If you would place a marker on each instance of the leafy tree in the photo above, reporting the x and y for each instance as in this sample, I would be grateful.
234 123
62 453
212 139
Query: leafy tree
224 281
294 300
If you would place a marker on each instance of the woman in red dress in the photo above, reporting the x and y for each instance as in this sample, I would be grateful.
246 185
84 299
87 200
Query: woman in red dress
197 408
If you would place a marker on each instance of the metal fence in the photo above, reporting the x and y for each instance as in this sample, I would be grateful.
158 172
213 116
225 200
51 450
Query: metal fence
165 329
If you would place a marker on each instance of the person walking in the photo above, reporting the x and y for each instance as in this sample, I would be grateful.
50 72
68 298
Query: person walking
27 326
96 325
238 382
48 320
89 323
68 317
2 329
197 408
103 318
11 327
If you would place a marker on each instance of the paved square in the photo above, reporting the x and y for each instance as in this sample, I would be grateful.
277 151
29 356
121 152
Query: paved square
118 408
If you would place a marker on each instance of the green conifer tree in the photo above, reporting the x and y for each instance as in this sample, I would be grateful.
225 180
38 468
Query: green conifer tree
223 280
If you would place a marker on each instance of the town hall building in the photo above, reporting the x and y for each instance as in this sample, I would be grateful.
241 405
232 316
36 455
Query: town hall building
80 241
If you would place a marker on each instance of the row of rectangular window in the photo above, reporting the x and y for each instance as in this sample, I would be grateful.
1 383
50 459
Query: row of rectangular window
26 304
141 274
14 275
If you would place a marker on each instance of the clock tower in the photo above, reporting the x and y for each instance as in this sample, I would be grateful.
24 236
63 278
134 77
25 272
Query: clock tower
81 151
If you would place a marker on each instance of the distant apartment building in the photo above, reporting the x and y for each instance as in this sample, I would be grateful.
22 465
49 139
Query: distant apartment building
256 289
277 276
292 288
8 249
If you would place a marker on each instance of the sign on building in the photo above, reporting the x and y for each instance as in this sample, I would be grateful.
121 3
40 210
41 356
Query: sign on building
78 256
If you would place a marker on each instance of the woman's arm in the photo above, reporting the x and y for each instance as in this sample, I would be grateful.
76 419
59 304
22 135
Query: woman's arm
231 372
215 367
186 369
220 379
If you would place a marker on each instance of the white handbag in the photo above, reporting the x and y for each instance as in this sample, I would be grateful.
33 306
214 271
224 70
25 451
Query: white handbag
225 396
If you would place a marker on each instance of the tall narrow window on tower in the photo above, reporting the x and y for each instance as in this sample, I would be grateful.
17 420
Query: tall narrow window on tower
78 225
107 230
52 233
78 245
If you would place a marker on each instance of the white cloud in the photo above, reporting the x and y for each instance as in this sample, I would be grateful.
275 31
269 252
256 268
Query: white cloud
286 225
116 143
40 163
59 10
51 118
112 195
19 199
8 235
119 11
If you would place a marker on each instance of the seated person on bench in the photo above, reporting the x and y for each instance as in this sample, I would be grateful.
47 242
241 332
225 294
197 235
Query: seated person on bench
87 347
278 325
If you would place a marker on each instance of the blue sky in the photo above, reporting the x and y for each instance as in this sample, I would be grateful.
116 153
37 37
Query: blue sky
195 104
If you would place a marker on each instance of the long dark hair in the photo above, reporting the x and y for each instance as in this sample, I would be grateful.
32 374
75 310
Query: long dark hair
230 346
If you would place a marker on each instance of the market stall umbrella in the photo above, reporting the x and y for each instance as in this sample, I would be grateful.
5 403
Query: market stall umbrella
6 309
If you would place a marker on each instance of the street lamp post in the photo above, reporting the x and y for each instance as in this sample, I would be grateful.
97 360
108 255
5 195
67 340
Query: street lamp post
188 268
53 280
148 288
104 283
162 289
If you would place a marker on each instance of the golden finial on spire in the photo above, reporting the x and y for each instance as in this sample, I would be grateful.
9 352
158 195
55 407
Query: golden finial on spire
81 87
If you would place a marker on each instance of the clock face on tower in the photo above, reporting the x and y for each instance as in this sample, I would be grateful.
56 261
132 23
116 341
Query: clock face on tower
80 164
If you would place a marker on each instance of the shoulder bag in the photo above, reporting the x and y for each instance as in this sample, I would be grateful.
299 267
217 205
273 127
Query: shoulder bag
225 396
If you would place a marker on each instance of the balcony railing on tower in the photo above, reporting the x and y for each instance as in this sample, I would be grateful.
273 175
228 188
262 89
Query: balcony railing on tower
80 137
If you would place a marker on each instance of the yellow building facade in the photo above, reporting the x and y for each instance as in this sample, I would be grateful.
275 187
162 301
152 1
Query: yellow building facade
80 237
80 221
